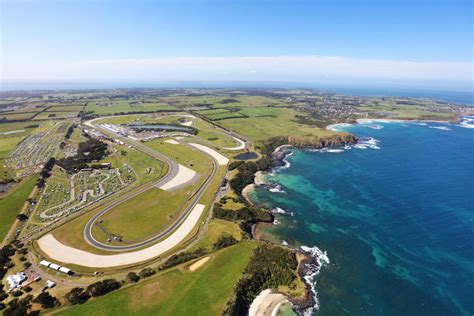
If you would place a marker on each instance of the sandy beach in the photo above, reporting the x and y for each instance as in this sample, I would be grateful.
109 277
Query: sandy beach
259 178
246 191
266 303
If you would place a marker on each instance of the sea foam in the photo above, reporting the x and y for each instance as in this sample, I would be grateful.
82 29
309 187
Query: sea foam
443 128
279 210
276 189
313 270
286 162
367 142
467 122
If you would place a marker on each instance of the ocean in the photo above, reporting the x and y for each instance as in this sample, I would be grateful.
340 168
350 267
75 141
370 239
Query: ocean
394 215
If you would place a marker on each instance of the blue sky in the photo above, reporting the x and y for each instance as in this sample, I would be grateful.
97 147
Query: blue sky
238 40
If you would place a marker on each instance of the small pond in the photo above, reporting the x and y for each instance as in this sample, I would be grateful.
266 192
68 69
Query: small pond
246 156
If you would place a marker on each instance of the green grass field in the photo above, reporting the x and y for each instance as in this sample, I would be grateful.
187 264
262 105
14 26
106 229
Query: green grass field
397 111
264 123
65 108
216 228
17 116
178 291
11 204
54 115
25 129
183 154
118 106
143 216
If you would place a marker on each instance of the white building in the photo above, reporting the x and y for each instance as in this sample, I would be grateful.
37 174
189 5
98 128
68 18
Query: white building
15 280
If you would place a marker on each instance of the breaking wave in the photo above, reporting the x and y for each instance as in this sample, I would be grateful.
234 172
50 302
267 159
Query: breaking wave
286 163
375 126
312 270
337 127
276 189
443 128
367 142
278 210
467 122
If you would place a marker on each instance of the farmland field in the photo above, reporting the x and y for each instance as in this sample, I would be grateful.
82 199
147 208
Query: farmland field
177 291
11 204
264 123
104 107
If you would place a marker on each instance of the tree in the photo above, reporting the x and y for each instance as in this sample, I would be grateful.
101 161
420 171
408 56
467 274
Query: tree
22 217
46 300
225 240
3 294
17 293
103 287
77 296
18 307
132 277
147 272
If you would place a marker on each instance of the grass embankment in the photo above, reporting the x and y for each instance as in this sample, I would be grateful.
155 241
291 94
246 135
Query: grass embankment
177 291
11 204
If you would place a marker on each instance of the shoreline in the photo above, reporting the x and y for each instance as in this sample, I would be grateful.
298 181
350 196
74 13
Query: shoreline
309 264
388 120
267 303
246 191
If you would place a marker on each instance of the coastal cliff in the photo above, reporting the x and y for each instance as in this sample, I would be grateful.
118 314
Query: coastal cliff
274 152
335 140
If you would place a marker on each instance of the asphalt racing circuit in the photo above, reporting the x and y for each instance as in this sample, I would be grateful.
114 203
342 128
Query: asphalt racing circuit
155 245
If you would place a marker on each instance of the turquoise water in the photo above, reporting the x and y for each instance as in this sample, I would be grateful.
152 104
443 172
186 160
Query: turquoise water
395 216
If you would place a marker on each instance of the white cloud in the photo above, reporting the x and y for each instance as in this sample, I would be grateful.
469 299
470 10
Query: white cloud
271 68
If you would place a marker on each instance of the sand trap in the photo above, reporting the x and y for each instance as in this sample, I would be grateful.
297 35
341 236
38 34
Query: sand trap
239 147
266 303
187 123
196 265
171 141
60 252
221 159
12 132
185 176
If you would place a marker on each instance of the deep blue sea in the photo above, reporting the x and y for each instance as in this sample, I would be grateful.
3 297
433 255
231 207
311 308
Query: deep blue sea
395 215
